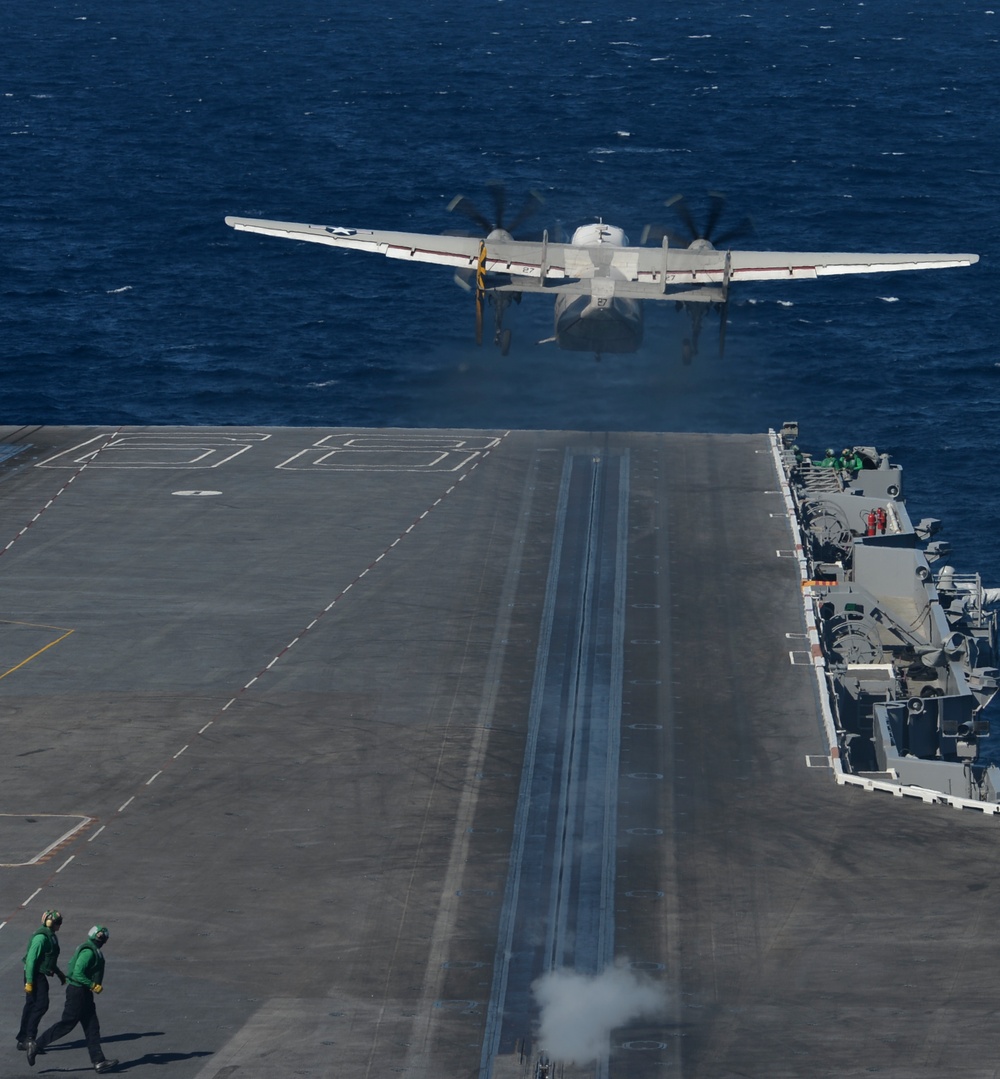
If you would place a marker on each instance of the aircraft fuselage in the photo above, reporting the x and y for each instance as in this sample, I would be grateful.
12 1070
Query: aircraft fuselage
598 324
601 321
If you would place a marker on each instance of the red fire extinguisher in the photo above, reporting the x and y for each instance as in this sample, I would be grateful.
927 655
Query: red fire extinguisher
871 522
880 517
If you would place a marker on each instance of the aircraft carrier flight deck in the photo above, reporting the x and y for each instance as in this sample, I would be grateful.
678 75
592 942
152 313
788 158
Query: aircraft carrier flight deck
350 735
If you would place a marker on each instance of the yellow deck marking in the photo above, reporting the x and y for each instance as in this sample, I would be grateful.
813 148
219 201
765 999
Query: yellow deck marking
64 633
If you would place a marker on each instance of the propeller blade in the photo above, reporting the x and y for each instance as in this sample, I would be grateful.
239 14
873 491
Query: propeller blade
532 204
679 204
498 193
498 196
716 211
480 291
466 206
481 268
743 231
653 234
717 203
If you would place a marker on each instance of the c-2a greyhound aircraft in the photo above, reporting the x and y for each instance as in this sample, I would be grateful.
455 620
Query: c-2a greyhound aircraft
598 279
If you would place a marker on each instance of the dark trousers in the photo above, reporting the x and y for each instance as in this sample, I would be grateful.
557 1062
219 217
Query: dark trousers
36 1004
79 1008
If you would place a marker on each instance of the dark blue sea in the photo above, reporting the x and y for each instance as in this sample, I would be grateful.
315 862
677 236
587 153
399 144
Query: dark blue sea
129 130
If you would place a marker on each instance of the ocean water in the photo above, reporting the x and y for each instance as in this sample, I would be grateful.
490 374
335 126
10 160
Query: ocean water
130 130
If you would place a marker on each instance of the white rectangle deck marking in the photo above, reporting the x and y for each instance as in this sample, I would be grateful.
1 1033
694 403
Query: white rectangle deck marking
391 453
349 459
156 450
477 442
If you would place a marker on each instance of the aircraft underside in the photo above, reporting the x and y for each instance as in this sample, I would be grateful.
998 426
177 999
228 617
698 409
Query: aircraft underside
598 324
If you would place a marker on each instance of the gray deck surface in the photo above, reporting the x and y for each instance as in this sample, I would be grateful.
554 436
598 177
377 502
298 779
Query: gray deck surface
347 735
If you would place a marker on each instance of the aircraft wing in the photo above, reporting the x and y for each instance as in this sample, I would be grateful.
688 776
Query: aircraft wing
793 265
652 270
651 273
412 246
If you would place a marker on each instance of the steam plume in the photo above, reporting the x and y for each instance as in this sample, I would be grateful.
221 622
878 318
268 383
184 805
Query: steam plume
579 1011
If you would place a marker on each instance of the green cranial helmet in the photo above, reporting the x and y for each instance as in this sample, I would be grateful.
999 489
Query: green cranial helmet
52 919
98 934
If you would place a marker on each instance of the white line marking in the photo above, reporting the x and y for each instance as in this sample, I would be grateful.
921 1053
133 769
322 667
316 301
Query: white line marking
224 707
97 833
66 863
153 776
180 751
207 725
124 804
56 843
30 897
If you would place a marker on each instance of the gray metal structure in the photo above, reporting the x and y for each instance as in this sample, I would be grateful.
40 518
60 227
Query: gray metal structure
908 656
350 735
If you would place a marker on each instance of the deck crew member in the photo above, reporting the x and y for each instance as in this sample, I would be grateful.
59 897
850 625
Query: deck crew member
84 978
829 461
40 962
850 461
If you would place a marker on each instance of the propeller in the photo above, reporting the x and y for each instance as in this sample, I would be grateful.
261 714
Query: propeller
475 280
493 227
498 194
695 237
695 234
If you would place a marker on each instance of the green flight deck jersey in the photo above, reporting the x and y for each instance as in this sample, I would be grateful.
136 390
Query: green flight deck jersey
43 954
86 968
